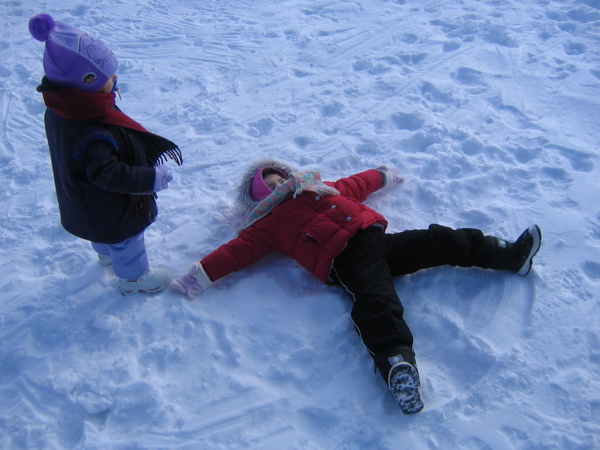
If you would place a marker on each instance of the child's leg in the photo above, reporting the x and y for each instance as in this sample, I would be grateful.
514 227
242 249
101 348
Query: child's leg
410 251
372 258
378 316
128 258
101 249
378 313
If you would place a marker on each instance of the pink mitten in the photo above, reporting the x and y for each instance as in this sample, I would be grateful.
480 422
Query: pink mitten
391 176
396 175
192 283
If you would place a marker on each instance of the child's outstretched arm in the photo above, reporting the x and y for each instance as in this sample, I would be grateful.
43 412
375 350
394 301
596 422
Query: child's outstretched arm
250 246
360 185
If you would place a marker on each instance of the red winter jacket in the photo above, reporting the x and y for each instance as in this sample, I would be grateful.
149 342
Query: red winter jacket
313 229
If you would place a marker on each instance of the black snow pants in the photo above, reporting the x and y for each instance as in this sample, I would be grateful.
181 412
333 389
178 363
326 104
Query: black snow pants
372 258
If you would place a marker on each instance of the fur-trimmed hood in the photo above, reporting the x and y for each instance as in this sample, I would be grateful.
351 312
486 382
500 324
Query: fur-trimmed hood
244 199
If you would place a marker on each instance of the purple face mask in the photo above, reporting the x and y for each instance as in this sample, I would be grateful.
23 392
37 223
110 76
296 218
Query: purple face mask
259 190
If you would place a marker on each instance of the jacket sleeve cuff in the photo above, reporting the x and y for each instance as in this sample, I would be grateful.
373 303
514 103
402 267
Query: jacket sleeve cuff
202 278
388 178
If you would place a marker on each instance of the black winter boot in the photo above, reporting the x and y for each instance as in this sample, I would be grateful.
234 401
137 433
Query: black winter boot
517 256
399 370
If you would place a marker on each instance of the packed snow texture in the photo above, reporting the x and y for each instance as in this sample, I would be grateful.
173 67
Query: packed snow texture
491 111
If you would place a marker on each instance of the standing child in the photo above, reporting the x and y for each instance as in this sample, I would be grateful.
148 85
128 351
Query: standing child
107 167
331 233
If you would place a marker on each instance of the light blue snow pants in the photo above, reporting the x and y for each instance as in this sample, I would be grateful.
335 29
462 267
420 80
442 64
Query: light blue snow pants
128 258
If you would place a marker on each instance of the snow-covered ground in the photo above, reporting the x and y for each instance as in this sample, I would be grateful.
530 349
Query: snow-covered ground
491 111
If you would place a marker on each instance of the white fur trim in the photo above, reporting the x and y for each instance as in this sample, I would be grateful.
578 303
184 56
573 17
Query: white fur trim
388 178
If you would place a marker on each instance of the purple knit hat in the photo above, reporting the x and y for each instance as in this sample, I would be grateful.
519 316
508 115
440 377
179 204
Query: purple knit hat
73 57
259 189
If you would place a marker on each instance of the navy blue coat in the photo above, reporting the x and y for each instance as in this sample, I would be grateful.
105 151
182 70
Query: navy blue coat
93 187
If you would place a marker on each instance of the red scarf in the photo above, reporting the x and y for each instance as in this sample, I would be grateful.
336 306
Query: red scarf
73 104
76 105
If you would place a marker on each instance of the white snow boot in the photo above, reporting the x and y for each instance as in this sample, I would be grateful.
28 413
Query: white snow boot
104 260
155 280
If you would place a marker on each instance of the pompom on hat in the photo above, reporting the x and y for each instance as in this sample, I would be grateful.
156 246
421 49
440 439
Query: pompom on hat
72 57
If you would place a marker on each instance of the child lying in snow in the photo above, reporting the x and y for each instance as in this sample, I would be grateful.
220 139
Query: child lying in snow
330 232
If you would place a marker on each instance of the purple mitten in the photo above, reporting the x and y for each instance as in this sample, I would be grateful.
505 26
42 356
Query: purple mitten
187 285
162 178
192 283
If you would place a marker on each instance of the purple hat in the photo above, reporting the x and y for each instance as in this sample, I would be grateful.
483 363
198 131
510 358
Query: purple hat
73 57
259 189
